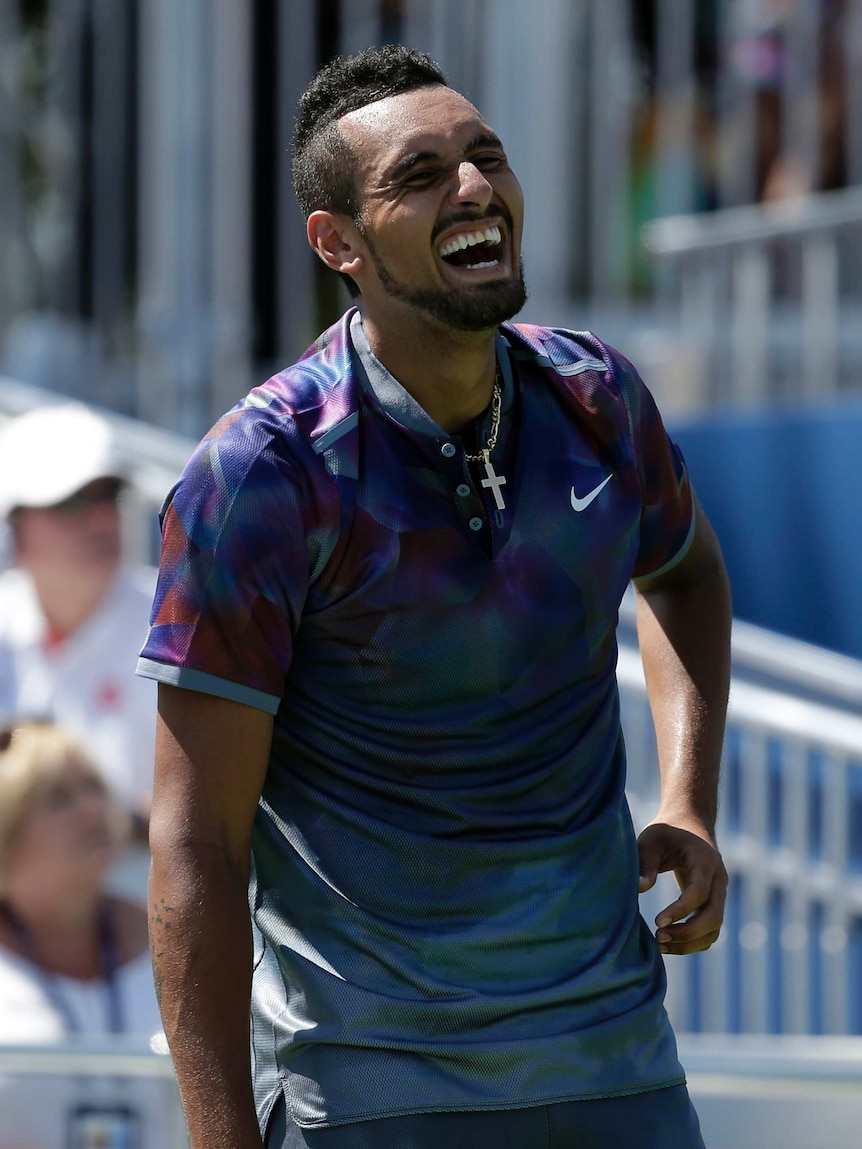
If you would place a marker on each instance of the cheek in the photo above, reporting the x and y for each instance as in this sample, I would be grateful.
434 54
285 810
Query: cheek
40 844
47 537
509 191
34 533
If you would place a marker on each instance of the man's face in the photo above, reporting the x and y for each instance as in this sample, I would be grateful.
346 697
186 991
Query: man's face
441 213
81 533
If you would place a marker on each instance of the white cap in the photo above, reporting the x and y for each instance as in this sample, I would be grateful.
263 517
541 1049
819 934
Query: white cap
52 452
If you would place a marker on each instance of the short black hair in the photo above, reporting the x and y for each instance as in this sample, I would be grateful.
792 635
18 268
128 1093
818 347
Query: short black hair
323 163
322 179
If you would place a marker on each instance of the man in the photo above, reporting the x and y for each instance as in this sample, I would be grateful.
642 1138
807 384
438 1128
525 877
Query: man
384 633
71 611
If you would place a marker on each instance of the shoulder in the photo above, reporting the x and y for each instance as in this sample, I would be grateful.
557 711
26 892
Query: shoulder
262 469
302 403
561 347
280 428
592 371
599 384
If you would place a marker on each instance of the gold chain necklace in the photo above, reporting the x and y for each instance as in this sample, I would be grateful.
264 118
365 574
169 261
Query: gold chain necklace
492 479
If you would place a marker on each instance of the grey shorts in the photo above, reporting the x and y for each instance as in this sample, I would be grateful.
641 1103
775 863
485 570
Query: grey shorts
660 1119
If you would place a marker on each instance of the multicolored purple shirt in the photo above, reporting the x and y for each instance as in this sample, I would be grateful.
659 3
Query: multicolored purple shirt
444 890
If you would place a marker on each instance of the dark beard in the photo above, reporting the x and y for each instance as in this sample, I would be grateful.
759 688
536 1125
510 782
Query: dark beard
483 307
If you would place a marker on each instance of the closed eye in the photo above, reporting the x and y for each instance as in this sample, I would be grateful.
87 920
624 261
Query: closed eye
489 160
419 178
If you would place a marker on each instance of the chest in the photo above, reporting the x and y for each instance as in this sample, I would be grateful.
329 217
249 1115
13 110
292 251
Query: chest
429 561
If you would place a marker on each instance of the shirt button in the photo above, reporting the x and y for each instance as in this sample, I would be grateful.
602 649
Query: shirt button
463 490
448 449
475 524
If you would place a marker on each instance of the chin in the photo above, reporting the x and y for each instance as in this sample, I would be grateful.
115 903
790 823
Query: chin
487 305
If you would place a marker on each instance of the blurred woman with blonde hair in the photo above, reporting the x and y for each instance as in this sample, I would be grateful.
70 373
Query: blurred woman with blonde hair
73 957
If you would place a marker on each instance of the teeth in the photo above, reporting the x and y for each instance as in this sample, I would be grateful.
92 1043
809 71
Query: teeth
490 235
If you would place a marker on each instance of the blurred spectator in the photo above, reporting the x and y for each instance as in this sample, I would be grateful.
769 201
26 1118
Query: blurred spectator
762 62
72 613
74 960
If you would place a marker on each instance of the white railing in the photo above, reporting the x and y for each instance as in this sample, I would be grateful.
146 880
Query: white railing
765 298
750 1092
789 665
766 1092
790 828
116 1085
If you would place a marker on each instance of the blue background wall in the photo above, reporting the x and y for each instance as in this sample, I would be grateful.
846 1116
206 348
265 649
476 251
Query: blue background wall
783 490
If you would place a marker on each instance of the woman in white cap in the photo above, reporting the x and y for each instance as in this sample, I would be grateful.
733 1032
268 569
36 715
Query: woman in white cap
72 614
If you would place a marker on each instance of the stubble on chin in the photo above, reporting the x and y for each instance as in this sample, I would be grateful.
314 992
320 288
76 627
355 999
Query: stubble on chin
480 308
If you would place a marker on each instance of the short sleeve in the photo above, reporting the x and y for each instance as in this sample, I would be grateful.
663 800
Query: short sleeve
667 515
233 574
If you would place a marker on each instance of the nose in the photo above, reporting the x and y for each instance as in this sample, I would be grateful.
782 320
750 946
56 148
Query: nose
91 805
471 187
101 512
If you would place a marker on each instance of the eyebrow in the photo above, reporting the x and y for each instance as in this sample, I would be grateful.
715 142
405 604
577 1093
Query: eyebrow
406 163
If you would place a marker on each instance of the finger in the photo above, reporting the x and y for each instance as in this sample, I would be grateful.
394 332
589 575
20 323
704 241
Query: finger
695 894
706 920
699 884
697 926
650 858
693 946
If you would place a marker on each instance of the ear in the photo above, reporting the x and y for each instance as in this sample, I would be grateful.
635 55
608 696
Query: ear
336 241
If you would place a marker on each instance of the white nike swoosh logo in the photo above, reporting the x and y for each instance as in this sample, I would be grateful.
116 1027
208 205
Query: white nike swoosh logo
582 504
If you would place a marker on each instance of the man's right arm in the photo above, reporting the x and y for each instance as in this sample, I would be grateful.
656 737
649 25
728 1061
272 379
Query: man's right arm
211 760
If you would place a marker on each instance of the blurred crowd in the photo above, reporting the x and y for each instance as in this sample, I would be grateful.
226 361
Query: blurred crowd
76 759
758 116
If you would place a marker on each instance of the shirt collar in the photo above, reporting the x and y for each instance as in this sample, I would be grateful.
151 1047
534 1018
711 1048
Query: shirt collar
396 400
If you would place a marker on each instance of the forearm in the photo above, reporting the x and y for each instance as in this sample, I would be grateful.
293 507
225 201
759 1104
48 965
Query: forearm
202 958
684 634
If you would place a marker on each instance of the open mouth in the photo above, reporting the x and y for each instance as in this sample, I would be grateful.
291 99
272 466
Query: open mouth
473 249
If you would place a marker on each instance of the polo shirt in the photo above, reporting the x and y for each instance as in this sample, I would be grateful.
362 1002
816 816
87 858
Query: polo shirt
444 871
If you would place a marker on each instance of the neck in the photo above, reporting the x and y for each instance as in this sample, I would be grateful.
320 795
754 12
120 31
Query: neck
449 373
62 938
68 598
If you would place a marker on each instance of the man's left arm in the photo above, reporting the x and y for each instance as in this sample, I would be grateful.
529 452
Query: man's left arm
683 620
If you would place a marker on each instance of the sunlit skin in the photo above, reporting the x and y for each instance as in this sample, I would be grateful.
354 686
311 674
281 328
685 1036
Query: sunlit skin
428 167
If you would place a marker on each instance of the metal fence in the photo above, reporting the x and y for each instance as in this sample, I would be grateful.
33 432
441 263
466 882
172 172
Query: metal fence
775 1092
781 1093
790 954
154 261
110 1092
766 300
